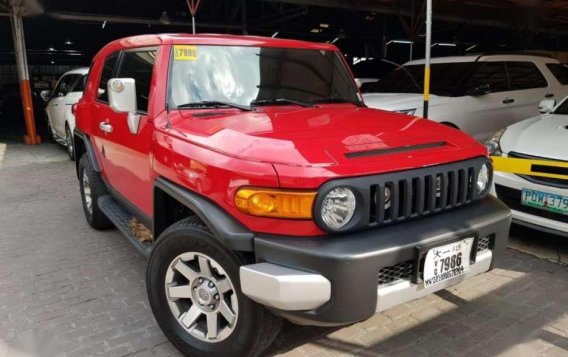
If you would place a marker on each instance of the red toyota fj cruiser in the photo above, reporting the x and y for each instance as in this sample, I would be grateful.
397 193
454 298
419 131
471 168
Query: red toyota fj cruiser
264 188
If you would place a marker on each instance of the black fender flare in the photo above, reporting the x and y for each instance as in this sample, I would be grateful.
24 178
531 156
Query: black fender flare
225 228
82 140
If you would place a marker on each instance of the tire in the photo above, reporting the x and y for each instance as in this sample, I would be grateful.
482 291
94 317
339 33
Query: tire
92 187
69 143
188 242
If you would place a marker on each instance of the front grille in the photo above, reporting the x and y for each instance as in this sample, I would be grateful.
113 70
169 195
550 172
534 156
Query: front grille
483 244
400 271
422 194
547 181
512 198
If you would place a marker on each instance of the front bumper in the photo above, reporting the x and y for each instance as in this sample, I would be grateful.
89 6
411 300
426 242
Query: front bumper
530 217
345 268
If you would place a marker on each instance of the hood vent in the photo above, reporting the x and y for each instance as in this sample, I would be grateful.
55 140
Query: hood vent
208 114
396 150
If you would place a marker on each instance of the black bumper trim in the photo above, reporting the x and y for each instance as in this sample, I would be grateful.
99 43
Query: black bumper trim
351 262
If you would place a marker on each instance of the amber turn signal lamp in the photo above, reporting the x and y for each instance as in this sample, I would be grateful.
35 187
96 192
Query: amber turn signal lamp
275 203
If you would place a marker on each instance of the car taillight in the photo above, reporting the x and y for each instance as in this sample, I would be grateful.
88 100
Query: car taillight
74 108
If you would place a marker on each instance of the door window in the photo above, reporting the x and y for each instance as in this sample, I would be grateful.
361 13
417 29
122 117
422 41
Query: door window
107 73
525 75
139 65
492 73
80 83
560 71
64 85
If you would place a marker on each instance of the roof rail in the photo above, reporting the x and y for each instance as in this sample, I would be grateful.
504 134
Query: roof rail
525 53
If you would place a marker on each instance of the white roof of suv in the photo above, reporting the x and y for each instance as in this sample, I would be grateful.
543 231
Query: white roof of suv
487 58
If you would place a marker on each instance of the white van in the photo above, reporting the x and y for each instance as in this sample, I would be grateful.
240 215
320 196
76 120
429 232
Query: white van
477 94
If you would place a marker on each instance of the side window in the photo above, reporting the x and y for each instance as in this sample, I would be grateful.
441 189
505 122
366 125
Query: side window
560 71
80 83
492 73
525 75
107 72
139 65
64 86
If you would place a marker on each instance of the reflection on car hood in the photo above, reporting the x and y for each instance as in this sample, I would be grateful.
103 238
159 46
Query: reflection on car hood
544 136
324 136
399 101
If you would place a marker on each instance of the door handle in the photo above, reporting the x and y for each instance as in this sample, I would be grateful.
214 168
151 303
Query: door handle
508 101
106 127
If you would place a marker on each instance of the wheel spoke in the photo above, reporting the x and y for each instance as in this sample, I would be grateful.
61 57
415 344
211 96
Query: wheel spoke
179 292
225 310
223 285
212 325
185 270
189 318
204 266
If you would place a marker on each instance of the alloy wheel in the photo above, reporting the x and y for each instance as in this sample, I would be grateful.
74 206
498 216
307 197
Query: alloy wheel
201 297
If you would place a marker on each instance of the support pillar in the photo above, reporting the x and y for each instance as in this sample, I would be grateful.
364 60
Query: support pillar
31 136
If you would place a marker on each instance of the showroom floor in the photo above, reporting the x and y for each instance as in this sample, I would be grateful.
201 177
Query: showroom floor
81 292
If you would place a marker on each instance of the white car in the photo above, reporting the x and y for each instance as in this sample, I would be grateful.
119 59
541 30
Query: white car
68 91
477 94
537 202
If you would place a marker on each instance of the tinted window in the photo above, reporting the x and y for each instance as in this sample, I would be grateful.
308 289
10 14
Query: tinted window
492 73
107 72
562 109
525 75
80 83
445 79
243 75
139 65
560 71
64 85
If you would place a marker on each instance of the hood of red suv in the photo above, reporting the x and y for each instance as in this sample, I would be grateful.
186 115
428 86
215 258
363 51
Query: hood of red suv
328 135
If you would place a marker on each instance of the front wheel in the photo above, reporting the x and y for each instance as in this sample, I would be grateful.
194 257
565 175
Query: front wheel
194 291
69 143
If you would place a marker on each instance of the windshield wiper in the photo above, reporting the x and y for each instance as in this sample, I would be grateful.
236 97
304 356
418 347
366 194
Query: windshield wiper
214 104
280 101
339 100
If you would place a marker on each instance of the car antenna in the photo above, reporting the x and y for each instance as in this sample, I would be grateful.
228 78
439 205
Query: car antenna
399 66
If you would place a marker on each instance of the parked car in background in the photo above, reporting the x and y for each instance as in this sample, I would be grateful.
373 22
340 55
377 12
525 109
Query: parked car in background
268 189
477 94
61 120
537 202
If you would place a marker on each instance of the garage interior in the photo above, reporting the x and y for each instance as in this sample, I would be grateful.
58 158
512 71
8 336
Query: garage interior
374 29
85 289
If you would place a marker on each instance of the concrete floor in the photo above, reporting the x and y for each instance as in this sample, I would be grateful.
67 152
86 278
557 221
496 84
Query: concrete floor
67 288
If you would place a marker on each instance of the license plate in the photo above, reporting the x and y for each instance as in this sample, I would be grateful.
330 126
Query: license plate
447 261
546 201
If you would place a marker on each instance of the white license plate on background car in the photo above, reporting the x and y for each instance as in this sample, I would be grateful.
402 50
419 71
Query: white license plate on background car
447 261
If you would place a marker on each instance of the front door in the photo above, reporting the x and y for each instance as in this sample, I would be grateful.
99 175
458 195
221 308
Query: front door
56 106
127 155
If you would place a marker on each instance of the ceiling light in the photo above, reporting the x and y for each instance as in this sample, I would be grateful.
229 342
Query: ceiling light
104 24
315 30
470 48
324 26
274 34
51 48
68 41
404 42
444 44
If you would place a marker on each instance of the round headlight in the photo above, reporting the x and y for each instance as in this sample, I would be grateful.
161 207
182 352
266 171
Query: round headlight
483 178
338 207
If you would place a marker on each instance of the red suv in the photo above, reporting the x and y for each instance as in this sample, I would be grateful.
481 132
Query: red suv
265 188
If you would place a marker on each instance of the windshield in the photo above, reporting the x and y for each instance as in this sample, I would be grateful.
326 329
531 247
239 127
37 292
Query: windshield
445 80
243 75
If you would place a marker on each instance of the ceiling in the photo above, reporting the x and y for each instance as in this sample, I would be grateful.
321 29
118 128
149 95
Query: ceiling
71 31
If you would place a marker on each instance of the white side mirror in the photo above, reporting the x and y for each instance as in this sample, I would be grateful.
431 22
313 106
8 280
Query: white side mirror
122 99
546 105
